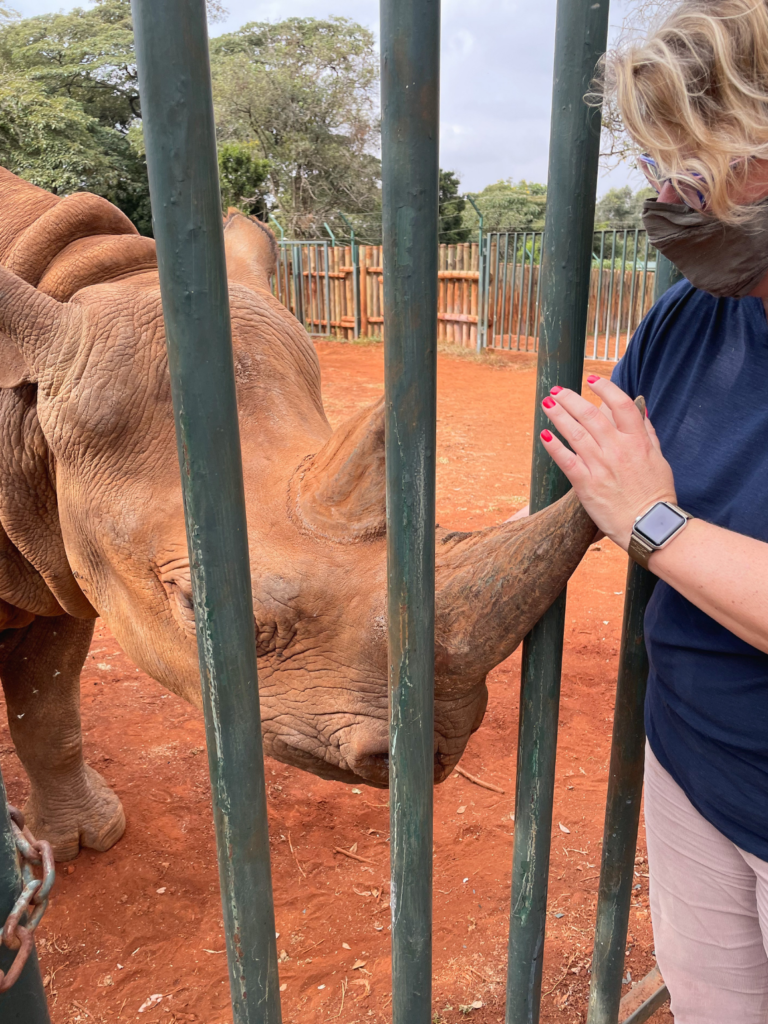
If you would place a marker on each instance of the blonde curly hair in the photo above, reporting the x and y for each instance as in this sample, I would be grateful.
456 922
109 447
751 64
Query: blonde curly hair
693 95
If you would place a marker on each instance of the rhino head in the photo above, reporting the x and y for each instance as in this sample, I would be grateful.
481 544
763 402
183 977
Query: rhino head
95 374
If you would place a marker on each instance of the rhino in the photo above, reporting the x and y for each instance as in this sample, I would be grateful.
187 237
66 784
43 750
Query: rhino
92 523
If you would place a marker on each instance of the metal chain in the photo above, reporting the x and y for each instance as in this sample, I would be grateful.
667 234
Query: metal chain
33 899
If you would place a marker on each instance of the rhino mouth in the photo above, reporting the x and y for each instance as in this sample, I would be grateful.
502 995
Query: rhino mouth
370 770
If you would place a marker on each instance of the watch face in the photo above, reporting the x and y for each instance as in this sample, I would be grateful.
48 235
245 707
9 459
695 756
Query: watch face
659 524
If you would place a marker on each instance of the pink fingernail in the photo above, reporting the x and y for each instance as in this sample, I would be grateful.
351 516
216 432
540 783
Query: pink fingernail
555 390
546 436
646 414
592 378
549 403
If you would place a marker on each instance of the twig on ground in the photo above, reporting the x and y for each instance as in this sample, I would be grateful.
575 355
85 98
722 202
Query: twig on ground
478 782
343 993
562 977
307 948
290 844
353 856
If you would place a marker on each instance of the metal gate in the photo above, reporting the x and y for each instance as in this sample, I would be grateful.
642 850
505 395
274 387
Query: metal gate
172 56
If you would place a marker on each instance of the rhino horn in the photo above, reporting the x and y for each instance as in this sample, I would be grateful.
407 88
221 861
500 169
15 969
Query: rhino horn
340 491
493 585
33 322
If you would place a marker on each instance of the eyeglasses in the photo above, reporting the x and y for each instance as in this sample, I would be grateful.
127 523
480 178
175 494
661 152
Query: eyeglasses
686 192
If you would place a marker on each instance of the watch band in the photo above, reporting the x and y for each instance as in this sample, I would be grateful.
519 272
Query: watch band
640 550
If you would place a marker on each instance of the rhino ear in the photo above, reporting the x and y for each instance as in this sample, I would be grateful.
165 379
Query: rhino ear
33 328
340 491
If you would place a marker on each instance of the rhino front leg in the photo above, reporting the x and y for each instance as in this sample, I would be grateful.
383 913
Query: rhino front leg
70 804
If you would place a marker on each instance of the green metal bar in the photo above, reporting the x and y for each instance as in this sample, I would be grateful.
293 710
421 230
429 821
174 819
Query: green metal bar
279 226
599 294
513 278
332 236
24 1002
621 297
520 291
632 289
645 277
666 275
622 811
504 289
355 275
530 290
410 90
481 340
609 310
327 289
496 291
580 39
538 295
625 781
177 109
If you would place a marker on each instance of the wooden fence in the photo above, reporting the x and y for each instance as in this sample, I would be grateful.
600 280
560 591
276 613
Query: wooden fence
338 292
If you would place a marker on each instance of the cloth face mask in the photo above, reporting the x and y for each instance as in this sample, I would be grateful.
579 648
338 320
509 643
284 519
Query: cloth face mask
726 260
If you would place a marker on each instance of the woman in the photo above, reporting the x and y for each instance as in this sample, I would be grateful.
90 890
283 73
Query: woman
694 97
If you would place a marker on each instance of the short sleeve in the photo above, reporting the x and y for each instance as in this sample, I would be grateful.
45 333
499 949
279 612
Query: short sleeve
628 371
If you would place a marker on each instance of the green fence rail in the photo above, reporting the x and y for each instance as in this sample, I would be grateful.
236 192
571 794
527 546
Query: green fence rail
489 293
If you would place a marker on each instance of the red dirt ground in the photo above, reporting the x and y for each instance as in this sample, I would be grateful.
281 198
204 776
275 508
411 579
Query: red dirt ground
145 917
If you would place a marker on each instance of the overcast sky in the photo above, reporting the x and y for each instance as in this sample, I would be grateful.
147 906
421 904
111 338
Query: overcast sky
496 78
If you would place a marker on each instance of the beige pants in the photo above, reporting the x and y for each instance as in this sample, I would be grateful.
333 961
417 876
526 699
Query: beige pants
709 905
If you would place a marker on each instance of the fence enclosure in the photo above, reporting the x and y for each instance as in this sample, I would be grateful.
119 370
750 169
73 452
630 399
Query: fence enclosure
488 299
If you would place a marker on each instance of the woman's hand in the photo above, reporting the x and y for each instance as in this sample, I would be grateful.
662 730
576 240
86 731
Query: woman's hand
616 466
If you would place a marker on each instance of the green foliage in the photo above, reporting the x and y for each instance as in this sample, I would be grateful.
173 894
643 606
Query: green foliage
68 97
621 208
452 227
303 91
243 178
69 104
507 205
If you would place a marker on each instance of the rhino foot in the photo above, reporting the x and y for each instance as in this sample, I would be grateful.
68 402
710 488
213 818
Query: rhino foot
92 817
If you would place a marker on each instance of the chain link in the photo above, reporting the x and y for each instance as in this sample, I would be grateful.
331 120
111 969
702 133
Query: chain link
33 900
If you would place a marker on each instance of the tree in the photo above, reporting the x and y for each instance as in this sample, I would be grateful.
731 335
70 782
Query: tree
303 91
508 206
451 206
243 178
69 105
621 208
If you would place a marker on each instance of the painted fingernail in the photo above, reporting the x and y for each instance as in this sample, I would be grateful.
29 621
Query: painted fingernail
555 390
592 378
549 403
546 436
646 414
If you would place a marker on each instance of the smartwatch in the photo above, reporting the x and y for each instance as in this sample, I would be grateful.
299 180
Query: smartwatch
654 529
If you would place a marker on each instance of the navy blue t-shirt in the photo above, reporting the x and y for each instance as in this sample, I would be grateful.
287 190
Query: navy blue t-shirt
702 365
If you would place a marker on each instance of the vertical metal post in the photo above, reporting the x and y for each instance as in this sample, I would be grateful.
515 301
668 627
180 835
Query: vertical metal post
175 86
481 339
355 276
580 38
24 1002
622 810
410 62
625 779
599 293
538 294
327 289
